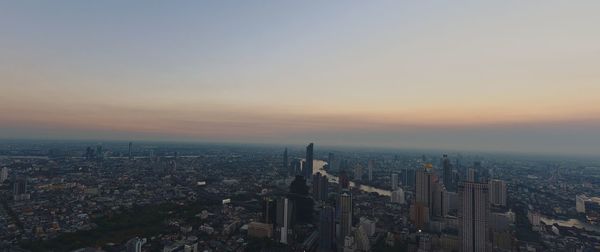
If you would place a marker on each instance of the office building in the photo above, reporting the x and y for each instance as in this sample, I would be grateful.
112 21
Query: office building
316 186
448 175
308 165
370 167
497 192
285 162
268 210
358 172
421 210
439 200
332 162
135 244
20 189
346 211
284 222
130 154
473 216
3 174
394 181
344 181
320 187
398 196
327 229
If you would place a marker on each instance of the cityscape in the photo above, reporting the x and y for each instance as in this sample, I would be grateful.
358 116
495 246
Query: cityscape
129 196
299 126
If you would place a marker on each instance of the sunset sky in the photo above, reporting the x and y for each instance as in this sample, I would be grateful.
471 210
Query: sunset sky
519 76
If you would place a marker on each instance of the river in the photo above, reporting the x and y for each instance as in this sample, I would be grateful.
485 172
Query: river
572 223
318 167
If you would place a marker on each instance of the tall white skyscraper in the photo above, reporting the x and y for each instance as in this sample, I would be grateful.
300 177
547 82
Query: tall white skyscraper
284 216
473 217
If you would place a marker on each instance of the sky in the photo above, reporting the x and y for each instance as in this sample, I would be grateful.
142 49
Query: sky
516 76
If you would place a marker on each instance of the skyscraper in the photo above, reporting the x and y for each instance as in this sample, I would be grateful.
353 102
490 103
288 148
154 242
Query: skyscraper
269 210
285 214
323 188
130 155
394 181
398 196
285 162
497 192
344 181
327 229
473 216
421 210
439 200
20 188
316 192
308 168
358 172
3 175
99 153
331 161
449 182
370 167
346 212
135 244
423 185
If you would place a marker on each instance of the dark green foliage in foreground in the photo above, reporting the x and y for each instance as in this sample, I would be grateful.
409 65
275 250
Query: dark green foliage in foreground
143 221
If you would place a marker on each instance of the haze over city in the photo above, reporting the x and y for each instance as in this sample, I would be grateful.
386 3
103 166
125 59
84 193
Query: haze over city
299 126
509 76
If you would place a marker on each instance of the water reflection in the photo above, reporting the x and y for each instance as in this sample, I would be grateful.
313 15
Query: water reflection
572 223
318 167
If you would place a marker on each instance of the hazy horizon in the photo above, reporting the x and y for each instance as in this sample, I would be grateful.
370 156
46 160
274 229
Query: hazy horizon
510 76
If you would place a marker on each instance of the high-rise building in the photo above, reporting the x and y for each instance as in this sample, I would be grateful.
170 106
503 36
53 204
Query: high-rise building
370 167
398 196
346 211
285 162
316 184
344 181
99 153
439 200
20 189
323 188
424 185
308 167
296 167
130 154
394 181
449 181
472 175
331 162
421 210
358 172
473 216
3 174
135 244
268 211
327 229
285 214
497 192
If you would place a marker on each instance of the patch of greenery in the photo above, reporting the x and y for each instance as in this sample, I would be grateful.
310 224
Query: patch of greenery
143 221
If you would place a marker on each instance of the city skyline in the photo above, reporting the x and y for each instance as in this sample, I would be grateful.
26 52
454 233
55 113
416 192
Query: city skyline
510 76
